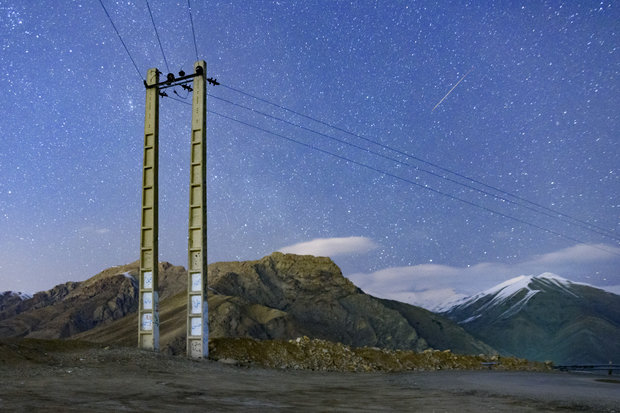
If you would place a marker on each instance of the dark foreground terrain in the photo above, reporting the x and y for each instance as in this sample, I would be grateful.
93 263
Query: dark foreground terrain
48 376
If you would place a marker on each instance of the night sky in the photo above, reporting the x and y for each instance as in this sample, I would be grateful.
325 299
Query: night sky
535 114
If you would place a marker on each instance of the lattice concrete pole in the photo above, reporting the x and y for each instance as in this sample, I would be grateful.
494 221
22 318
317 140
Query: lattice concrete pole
198 310
148 316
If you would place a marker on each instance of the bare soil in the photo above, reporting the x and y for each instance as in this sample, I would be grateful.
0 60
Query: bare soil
74 376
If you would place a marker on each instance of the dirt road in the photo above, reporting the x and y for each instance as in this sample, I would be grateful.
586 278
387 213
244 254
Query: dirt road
125 379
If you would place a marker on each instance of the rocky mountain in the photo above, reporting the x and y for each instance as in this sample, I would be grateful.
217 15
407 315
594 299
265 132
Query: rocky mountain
544 317
306 295
73 307
281 296
11 303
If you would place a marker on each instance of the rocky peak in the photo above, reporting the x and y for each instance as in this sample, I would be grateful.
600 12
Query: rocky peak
305 273
279 280
74 307
306 295
11 303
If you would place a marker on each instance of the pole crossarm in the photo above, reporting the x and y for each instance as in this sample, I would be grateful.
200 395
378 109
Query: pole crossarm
183 79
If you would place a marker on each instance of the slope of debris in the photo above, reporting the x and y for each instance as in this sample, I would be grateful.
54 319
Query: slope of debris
313 354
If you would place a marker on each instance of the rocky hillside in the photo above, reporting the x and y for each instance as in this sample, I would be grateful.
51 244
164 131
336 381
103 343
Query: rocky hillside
281 296
545 318
312 298
74 307
11 303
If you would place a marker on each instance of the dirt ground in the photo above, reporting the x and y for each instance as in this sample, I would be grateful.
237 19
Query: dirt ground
88 378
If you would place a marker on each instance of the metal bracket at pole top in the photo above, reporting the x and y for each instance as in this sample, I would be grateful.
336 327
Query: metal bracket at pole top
171 81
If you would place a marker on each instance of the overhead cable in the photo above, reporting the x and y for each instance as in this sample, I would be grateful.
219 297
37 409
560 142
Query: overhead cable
157 35
121 39
409 181
191 20
415 167
607 233
178 100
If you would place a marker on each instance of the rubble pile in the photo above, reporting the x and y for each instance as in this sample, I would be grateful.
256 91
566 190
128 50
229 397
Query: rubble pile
321 355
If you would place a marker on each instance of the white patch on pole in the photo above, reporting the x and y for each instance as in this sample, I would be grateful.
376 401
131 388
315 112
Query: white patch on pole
196 281
196 326
147 322
147 301
196 304
148 280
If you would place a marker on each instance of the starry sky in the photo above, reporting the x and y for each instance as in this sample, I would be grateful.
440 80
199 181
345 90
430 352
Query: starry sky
345 153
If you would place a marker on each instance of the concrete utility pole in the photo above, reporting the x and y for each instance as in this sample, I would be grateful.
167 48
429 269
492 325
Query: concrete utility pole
148 315
197 306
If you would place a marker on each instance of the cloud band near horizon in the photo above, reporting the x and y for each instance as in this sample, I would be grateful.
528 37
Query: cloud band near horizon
431 285
329 247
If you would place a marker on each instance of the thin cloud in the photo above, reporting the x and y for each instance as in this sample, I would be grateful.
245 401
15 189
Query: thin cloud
431 285
580 253
329 247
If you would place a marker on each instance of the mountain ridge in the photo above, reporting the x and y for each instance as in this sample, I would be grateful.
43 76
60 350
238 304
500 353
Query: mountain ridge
280 296
509 288
544 317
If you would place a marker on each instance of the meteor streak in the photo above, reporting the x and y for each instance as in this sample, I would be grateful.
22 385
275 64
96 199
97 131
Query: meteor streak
453 87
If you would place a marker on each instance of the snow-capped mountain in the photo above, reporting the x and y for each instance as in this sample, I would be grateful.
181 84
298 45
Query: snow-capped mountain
12 297
17 294
511 296
544 317
11 302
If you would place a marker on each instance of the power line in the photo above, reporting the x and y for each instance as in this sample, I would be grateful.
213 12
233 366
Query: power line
575 221
179 100
121 39
417 168
590 226
409 181
191 20
157 35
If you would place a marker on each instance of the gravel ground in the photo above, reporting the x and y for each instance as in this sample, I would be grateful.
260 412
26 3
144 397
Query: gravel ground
126 379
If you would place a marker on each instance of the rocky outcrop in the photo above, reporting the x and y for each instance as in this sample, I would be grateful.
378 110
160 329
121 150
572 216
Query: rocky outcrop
74 307
11 303
304 295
